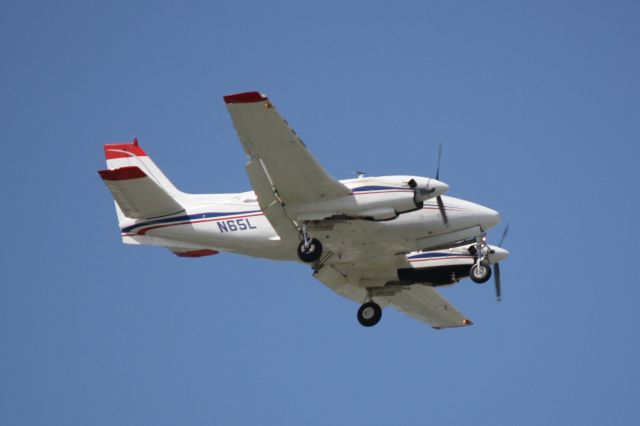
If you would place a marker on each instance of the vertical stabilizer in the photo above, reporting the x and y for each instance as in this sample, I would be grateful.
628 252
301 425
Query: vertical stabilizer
138 186
120 155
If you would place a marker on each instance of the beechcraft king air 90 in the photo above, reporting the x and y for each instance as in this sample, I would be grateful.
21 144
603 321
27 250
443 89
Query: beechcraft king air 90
380 241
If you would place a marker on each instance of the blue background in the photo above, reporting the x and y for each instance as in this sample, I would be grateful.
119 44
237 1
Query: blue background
537 105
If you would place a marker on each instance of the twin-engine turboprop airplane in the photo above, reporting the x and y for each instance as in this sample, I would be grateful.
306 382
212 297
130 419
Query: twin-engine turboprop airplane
379 241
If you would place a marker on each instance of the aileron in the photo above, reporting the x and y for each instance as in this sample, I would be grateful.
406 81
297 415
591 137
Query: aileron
426 304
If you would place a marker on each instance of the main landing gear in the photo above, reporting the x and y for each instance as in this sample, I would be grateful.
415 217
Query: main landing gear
310 249
480 271
369 314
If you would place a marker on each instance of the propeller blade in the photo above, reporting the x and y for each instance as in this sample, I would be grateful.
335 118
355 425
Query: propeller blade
443 212
504 234
496 277
439 156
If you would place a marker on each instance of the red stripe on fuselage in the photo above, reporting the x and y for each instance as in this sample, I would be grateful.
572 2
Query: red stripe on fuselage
382 192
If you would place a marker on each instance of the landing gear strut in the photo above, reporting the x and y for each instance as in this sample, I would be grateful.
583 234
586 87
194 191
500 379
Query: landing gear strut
480 271
310 249
369 314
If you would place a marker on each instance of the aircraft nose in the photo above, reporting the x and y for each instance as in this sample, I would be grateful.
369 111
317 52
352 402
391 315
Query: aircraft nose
488 218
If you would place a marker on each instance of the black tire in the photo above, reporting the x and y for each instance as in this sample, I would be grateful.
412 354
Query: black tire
369 314
311 253
480 275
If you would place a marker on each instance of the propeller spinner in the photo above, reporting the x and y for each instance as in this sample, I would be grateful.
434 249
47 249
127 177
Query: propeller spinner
433 187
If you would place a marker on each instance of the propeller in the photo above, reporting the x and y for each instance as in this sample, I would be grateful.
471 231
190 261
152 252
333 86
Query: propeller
439 157
443 211
504 235
496 266
496 278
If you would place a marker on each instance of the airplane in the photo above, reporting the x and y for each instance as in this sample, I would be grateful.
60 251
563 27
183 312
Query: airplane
379 241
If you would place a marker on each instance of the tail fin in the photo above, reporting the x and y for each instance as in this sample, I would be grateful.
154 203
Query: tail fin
131 154
140 189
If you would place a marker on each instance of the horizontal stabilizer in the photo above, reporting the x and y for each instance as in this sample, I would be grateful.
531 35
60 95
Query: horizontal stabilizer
137 195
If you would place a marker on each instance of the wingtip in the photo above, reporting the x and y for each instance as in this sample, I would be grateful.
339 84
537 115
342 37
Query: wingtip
244 98
123 173
465 322
123 150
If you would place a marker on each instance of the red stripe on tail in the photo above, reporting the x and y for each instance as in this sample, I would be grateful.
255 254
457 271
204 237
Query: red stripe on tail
123 173
123 150
244 98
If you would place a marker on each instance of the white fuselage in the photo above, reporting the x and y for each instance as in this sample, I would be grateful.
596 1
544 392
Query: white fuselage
235 223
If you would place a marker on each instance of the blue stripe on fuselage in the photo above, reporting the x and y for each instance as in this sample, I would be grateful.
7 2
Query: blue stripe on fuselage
187 218
430 255
375 188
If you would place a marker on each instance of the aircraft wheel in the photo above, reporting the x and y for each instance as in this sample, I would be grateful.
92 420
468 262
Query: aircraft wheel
311 253
480 273
369 314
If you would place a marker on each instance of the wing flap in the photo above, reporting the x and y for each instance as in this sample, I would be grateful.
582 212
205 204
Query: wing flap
270 205
137 195
339 282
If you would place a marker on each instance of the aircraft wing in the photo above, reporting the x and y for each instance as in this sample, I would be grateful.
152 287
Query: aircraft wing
281 168
424 303
418 301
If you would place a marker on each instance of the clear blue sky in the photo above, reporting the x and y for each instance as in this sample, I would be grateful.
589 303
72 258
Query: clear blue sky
537 105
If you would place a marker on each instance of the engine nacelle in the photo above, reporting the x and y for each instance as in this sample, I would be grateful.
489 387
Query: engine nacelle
441 267
373 198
